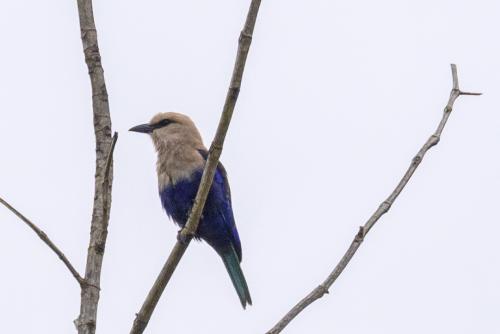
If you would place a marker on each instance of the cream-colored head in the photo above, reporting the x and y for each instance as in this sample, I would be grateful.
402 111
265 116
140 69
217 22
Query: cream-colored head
172 128
177 141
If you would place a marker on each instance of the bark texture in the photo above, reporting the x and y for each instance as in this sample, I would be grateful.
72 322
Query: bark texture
86 321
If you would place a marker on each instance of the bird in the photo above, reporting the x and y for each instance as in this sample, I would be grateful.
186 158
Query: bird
181 160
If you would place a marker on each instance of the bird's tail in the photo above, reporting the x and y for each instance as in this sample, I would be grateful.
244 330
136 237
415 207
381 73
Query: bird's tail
233 268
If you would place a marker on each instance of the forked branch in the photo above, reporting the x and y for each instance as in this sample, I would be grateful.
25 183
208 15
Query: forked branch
86 321
105 144
320 291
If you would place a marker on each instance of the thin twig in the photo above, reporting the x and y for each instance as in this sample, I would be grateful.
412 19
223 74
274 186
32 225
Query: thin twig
144 315
322 289
109 157
107 175
42 235
86 321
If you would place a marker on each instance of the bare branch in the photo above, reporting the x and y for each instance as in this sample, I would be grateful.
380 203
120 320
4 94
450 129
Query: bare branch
142 318
469 93
42 235
86 321
381 210
107 169
109 157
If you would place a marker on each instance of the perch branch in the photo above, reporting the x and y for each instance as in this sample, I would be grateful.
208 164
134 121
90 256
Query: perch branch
142 318
42 235
86 321
322 289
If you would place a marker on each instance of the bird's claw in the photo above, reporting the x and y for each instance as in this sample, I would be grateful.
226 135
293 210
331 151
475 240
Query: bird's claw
184 238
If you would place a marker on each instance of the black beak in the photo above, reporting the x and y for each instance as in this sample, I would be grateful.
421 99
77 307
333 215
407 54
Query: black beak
143 128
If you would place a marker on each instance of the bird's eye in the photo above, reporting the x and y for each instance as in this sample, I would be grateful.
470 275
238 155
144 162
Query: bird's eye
162 123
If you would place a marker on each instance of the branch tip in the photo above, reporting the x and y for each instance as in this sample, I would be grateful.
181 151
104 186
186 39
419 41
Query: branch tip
454 76
469 93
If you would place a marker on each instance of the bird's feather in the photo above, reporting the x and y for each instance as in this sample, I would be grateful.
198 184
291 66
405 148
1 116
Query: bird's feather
229 257
226 210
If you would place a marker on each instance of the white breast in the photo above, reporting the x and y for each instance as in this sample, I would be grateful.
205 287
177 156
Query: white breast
177 162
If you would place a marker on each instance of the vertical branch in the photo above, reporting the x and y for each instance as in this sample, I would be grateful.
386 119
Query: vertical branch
433 140
142 318
86 321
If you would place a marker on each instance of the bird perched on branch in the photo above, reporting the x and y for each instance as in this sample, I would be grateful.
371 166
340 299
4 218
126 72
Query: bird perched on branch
181 159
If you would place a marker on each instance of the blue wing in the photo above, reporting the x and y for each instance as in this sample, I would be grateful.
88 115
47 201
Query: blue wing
222 193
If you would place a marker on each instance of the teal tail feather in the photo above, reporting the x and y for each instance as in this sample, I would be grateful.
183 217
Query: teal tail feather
234 270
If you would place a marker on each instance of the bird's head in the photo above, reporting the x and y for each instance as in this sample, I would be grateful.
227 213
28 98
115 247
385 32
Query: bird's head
170 128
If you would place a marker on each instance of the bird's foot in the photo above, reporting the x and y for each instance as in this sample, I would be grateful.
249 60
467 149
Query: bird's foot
184 238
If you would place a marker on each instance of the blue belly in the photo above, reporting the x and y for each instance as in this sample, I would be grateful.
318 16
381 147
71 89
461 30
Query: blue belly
217 226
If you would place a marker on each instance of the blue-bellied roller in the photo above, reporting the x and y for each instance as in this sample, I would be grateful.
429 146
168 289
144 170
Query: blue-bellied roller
181 159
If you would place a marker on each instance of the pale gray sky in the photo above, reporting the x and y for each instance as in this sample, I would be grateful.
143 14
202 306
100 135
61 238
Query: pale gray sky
337 98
